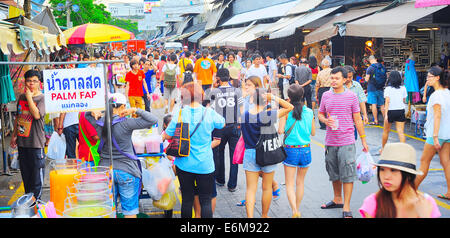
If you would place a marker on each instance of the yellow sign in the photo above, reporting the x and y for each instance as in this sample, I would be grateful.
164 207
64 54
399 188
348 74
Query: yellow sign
15 12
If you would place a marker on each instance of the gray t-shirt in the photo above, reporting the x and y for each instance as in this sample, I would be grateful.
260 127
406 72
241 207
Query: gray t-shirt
122 132
303 74
30 132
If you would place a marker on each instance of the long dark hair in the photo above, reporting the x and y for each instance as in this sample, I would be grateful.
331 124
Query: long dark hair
295 94
385 205
312 62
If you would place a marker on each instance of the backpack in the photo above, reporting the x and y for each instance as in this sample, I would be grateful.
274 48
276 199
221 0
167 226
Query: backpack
170 79
292 79
188 77
379 75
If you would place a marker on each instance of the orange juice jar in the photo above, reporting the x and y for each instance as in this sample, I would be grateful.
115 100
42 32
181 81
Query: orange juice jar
62 177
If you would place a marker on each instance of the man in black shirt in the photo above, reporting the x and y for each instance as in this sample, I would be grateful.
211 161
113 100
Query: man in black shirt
226 100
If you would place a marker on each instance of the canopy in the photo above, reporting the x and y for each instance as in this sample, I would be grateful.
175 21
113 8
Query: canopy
304 6
330 29
239 41
194 38
96 33
388 24
300 21
217 36
263 13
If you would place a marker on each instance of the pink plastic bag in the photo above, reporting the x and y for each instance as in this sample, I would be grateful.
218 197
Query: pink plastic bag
239 150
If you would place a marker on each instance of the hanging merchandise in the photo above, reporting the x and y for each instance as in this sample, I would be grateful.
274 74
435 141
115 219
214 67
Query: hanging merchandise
411 80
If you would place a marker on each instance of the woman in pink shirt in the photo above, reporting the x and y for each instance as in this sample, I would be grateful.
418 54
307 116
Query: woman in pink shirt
398 197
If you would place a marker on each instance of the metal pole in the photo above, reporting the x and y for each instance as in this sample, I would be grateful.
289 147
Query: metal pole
108 123
68 10
5 162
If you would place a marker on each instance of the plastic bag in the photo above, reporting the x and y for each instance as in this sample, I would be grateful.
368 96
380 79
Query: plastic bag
158 178
168 200
13 154
239 151
57 147
365 168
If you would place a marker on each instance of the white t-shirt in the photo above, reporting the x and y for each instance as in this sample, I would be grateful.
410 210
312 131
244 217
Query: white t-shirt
260 72
71 118
441 97
171 67
396 96
272 67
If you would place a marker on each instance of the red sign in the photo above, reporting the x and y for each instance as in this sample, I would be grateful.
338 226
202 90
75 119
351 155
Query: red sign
430 3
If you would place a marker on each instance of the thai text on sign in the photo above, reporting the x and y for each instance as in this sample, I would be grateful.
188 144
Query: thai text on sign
72 90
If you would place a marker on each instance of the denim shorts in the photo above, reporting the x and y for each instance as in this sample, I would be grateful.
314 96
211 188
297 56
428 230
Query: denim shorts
250 164
298 157
430 141
375 97
127 187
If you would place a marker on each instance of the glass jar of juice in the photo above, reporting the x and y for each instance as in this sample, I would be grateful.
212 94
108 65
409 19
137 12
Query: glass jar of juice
62 177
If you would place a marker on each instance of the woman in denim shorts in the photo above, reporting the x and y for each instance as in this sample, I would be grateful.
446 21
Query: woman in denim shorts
298 126
252 121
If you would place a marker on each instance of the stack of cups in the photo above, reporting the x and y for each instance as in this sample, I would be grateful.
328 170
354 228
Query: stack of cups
91 194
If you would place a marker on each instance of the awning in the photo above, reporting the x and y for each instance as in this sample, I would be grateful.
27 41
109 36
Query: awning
283 22
304 6
183 25
194 38
330 29
278 10
214 17
388 24
214 38
237 32
9 37
185 35
240 41
300 21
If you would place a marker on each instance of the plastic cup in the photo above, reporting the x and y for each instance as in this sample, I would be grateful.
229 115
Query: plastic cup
336 123
95 211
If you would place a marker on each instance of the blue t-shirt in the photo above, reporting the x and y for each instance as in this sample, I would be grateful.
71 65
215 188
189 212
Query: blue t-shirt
200 159
301 133
148 80
251 126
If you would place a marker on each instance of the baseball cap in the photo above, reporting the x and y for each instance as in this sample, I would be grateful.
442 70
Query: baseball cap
118 98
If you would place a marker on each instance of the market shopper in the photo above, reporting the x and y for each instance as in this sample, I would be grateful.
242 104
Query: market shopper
227 100
87 137
287 70
339 110
303 77
315 69
252 121
135 86
272 69
298 127
395 95
376 78
28 134
323 84
437 128
68 124
258 69
398 196
198 167
126 167
170 77
205 70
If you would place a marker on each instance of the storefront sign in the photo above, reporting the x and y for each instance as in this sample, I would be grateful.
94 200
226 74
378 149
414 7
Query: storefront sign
430 3
72 90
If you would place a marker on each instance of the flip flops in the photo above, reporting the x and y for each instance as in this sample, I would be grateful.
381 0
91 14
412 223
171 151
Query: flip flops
276 195
331 205
347 215
443 196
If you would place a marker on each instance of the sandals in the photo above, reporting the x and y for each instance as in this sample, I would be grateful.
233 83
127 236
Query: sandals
276 195
331 205
241 203
347 215
373 123
442 196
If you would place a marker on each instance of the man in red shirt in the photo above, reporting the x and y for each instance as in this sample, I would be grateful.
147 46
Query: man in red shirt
89 138
135 80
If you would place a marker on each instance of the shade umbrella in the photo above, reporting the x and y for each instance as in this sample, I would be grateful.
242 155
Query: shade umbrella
92 33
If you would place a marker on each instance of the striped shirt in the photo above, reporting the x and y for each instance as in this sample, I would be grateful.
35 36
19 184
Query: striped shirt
342 105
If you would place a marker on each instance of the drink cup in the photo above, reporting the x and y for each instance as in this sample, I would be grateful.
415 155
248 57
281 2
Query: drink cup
336 123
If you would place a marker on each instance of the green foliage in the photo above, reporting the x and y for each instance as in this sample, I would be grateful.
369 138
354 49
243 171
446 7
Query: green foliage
90 12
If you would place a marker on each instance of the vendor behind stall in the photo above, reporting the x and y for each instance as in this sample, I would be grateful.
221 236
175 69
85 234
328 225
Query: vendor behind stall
125 164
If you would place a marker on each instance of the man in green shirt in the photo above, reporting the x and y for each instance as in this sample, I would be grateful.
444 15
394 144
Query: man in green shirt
355 87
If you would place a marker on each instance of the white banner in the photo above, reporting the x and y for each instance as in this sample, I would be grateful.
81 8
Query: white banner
73 90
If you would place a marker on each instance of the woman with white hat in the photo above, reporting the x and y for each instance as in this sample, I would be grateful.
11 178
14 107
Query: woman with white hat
398 197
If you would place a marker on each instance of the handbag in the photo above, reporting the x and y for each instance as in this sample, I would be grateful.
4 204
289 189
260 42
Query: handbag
239 150
269 149
181 141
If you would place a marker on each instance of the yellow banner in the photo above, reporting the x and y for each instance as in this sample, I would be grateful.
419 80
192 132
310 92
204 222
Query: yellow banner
15 12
